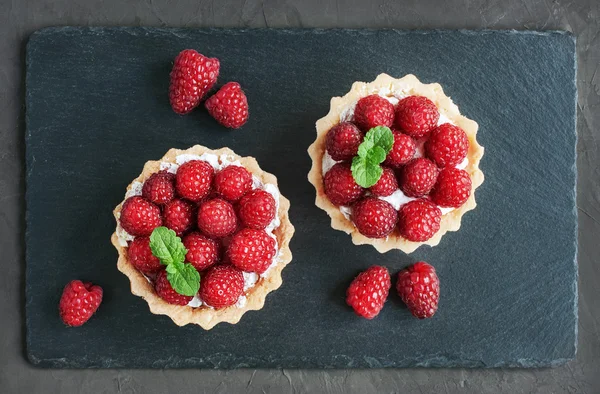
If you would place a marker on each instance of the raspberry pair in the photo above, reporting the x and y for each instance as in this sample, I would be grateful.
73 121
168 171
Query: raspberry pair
418 286
192 77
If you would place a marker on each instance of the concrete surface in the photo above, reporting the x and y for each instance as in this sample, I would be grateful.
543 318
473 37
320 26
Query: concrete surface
19 19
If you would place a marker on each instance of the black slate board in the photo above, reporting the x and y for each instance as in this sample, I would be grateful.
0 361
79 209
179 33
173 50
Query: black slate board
97 109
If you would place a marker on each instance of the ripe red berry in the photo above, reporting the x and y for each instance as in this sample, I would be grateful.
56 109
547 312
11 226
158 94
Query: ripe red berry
343 140
373 111
216 218
403 150
139 216
221 286
232 182
386 185
416 116
202 252
340 186
79 301
179 216
252 250
141 257
193 75
452 189
163 288
368 291
418 177
257 209
374 218
447 145
159 188
229 106
419 288
419 220
193 180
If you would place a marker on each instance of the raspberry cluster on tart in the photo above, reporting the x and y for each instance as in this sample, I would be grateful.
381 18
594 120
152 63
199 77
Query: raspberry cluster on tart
228 214
427 174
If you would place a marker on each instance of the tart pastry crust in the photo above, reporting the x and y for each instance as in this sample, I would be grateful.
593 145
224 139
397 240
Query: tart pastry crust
204 316
385 84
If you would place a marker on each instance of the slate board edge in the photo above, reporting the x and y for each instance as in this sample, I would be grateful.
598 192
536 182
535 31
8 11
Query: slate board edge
196 363
425 362
28 168
176 31
575 206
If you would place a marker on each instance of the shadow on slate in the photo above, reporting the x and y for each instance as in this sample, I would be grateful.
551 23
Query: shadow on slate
97 109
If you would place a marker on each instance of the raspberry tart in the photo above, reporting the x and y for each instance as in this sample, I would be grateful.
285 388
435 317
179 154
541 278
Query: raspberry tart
395 164
203 235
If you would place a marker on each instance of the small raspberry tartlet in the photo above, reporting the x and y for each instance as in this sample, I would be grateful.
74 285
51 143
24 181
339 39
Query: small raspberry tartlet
395 164
203 235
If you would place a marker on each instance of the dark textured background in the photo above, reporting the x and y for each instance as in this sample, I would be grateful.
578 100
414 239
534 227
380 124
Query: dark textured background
85 127
19 19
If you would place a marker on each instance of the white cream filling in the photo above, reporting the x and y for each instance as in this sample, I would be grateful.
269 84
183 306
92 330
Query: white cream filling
218 163
398 198
195 302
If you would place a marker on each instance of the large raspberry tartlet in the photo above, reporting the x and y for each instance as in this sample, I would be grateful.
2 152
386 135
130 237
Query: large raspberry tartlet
395 164
203 235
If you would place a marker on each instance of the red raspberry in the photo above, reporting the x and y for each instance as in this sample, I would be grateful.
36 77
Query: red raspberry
419 288
216 218
251 250
419 220
79 301
257 209
202 252
452 189
416 116
221 286
374 218
418 177
140 255
163 288
139 216
229 106
373 111
386 185
403 150
368 291
193 180
340 186
343 141
447 145
159 188
179 216
232 182
193 75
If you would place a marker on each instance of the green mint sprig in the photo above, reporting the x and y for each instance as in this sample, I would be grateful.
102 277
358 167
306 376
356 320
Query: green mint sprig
169 249
366 168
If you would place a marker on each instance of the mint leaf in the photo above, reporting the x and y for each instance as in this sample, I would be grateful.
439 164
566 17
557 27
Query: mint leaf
366 169
364 173
184 278
380 136
169 249
365 147
376 155
167 246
